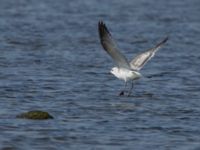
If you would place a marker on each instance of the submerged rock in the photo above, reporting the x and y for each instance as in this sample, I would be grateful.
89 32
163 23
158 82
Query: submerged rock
35 114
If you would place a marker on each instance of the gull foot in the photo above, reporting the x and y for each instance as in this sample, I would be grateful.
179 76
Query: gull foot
121 93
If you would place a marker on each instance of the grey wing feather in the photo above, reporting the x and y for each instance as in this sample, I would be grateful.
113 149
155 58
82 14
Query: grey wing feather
139 61
110 46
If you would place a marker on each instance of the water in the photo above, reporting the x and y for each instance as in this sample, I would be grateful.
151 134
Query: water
51 60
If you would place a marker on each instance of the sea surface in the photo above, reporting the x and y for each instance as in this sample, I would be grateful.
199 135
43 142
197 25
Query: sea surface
51 60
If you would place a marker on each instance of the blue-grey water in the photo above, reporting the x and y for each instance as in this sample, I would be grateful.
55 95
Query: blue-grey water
51 60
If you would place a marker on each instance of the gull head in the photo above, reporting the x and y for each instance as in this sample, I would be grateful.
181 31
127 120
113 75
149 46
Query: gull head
114 71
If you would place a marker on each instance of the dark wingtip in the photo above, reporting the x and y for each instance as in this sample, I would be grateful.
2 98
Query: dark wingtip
102 29
100 25
163 41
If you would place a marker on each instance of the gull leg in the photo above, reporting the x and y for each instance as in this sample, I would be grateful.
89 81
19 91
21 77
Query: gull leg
122 92
130 91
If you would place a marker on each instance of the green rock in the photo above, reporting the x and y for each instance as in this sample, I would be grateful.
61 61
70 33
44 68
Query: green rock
36 114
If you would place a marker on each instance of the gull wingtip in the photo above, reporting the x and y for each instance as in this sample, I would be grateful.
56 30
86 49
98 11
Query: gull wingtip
163 41
166 39
103 30
101 23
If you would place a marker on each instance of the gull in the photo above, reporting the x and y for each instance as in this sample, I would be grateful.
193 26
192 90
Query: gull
125 70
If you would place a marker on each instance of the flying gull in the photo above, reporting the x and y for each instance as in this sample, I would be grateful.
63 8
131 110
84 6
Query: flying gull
125 70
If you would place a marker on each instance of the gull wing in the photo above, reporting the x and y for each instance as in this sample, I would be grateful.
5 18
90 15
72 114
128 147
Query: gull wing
139 61
110 47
